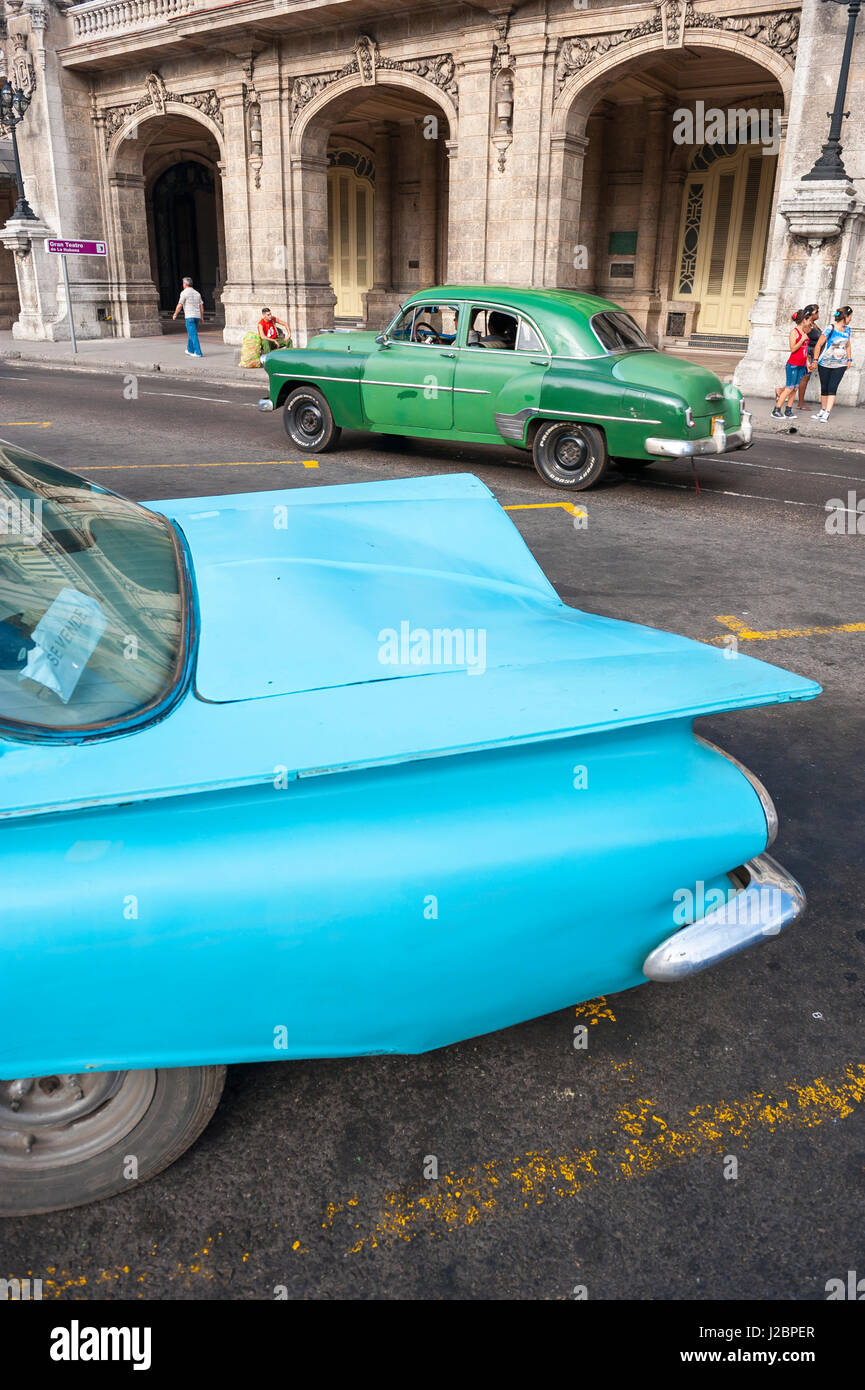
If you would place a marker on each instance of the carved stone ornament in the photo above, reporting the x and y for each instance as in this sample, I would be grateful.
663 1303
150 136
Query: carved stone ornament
23 71
672 19
673 16
368 63
156 98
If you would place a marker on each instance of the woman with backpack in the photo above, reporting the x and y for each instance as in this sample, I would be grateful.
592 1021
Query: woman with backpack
833 355
797 366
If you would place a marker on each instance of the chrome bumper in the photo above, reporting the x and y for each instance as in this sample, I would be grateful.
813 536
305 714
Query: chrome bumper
718 442
770 902
265 404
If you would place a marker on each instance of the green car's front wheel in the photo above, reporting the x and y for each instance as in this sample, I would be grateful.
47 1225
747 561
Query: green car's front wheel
308 421
569 455
77 1137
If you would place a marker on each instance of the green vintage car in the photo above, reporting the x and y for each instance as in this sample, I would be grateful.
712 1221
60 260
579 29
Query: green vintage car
567 375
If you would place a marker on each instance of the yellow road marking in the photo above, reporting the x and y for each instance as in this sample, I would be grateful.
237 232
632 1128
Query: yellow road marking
545 506
640 1142
39 424
744 633
310 463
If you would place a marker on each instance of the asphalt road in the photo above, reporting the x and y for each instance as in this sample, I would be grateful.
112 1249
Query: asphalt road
558 1168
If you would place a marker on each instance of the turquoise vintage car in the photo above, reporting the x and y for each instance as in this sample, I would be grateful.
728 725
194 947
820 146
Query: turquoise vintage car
568 376
324 773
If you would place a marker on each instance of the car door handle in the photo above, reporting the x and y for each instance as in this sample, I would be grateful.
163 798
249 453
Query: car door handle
448 354
540 361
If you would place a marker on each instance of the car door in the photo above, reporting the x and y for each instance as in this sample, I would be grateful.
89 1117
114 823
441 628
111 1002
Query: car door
500 369
408 379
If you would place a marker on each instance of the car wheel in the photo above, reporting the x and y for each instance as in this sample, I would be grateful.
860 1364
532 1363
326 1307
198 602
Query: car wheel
75 1138
570 455
308 421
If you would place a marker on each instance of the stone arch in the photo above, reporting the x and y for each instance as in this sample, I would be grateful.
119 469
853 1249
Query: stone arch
580 95
312 127
345 90
130 177
123 141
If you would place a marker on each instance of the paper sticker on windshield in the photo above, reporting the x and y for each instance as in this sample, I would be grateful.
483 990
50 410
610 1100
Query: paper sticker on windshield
65 637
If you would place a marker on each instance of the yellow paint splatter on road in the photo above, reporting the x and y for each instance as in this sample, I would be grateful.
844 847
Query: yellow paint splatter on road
640 1141
594 1011
744 633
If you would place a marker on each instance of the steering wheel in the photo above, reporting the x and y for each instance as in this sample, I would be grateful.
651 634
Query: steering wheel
425 333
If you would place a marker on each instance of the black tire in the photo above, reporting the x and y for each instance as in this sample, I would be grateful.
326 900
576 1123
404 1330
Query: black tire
164 1111
308 421
569 455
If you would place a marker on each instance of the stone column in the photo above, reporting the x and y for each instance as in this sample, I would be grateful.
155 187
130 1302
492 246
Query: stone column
134 296
816 246
56 142
469 167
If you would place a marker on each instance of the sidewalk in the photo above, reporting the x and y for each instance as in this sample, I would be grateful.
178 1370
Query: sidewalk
164 356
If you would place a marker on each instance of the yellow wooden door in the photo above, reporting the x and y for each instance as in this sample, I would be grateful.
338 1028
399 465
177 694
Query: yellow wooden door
722 248
350 233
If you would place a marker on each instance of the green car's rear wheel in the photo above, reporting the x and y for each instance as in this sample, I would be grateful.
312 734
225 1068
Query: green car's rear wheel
77 1137
569 455
308 421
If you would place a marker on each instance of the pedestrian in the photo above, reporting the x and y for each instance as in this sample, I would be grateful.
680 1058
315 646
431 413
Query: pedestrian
797 366
833 355
191 303
268 331
815 333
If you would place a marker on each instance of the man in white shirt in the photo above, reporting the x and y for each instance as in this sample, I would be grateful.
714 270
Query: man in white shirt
191 303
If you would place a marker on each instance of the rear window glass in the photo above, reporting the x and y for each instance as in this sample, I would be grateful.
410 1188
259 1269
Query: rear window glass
618 332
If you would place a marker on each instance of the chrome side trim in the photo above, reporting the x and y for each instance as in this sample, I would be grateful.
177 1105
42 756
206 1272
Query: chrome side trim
314 376
585 415
766 801
771 901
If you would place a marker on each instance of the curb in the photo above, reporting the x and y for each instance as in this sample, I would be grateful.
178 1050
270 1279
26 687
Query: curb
103 366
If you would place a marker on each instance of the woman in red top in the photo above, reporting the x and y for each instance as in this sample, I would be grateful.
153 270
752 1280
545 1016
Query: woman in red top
797 365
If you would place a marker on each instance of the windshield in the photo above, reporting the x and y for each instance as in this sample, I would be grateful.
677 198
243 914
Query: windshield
92 613
618 332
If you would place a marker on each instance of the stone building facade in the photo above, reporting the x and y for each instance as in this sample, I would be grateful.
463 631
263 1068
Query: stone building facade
328 159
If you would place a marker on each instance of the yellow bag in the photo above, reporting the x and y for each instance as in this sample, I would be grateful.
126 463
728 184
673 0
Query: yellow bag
250 350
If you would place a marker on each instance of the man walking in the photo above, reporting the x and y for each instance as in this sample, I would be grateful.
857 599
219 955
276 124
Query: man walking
191 303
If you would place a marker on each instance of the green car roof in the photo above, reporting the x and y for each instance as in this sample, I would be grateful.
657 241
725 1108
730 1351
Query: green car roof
563 316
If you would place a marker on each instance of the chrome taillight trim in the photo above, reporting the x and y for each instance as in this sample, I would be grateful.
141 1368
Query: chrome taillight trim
766 801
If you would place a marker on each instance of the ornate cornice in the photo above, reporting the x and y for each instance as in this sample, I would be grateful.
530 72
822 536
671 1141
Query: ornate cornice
156 97
367 62
673 19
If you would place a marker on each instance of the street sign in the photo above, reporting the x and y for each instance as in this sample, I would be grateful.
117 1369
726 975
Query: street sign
77 248
73 248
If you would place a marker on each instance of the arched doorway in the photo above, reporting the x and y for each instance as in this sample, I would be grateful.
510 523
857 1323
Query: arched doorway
655 211
185 236
370 171
165 195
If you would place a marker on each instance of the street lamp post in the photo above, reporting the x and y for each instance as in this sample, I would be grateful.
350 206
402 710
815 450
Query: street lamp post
830 164
13 105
